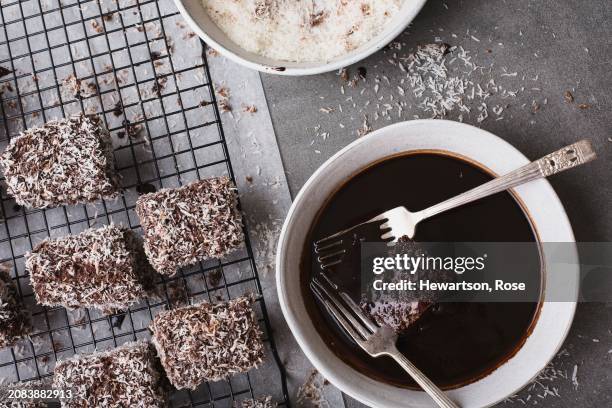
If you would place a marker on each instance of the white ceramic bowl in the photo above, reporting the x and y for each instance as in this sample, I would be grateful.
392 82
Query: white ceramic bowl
199 21
489 151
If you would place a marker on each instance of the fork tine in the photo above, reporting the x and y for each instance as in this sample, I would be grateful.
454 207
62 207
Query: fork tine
342 310
334 236
337 315
358 312
319 248
351 304
336 254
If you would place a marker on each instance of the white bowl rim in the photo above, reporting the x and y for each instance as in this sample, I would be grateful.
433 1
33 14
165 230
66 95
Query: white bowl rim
501 383
293 69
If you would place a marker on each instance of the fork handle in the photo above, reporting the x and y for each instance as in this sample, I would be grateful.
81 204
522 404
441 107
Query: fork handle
429 387
566 158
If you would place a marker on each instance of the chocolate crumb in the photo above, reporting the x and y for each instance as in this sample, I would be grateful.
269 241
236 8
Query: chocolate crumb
569 98
584 106
118 109
317 18
250 108
4 71
204 103
145 188
362 71
344 74
121 134
117 321
223 92
155 55
96 26
225 106
214 277
249 179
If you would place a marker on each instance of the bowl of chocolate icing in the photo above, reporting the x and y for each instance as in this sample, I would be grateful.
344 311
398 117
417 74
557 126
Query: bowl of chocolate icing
480 352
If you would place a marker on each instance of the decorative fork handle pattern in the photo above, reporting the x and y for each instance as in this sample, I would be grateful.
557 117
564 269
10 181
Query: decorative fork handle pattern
429 387
569 157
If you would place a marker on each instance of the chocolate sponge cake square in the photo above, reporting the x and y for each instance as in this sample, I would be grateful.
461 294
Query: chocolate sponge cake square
207 342
101 268
14 320
127 376
66 161
185 225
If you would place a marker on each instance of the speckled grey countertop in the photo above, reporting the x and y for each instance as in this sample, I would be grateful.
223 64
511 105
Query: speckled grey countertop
554 46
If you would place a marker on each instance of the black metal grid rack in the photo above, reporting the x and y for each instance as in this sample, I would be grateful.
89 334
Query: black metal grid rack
156 99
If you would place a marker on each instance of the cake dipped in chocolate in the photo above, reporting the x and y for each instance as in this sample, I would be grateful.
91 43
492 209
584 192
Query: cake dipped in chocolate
185 225
400 309
101 268
66 161
207 342
126 376
14 320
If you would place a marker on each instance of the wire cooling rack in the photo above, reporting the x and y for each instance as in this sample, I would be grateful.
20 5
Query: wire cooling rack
137 65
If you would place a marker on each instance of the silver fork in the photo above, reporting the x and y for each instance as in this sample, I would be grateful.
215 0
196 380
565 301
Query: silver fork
373 339
399 222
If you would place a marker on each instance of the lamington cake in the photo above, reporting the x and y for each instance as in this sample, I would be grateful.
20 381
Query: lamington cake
127 376
207 342
400 309
101 268
14 320
189 224
66 161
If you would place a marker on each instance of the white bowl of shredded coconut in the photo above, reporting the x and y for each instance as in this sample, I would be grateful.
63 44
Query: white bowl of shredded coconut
292 37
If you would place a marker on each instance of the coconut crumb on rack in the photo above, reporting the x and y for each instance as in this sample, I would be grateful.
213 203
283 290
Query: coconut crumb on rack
208 341
103 268
191 223
14 319
66 161
127 376
263 402
75 88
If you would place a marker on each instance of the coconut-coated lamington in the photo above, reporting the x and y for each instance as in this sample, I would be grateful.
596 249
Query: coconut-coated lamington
65 161
127 376
14 320
207 342
102 268
188 224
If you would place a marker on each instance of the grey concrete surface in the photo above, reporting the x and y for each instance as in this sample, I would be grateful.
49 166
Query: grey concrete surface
556 46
